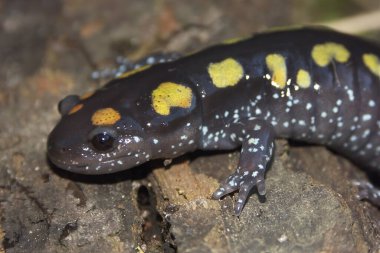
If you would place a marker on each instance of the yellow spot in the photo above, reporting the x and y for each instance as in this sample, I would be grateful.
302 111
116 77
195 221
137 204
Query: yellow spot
168 95
75 108
105 116
277 66
87 95
323 54
225 73
233 40
282 28
303 79
373 63
134 71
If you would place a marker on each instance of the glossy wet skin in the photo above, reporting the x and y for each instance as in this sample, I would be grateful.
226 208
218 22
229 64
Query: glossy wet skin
110 131
96 148
312 85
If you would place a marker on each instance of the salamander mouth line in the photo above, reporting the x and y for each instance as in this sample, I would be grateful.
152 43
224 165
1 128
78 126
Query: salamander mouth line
65 164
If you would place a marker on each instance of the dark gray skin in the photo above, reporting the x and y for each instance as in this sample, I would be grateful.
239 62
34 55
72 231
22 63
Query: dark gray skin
339 109
139 136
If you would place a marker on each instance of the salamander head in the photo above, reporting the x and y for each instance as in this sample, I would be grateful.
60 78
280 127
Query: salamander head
126 123
94 136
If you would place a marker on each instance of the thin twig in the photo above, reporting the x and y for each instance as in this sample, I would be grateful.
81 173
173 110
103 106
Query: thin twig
357 24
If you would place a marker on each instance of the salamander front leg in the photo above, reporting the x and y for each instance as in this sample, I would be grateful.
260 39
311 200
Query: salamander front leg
257 141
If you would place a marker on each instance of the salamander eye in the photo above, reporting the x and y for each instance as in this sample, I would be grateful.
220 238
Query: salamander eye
103 139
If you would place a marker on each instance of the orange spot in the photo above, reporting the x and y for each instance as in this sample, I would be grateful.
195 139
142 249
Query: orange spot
105 116
87 95
75 108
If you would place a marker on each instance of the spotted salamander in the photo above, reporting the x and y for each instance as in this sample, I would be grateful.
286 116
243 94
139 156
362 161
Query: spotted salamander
309 84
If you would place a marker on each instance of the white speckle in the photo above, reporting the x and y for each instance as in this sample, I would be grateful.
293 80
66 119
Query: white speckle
150 60
371 103
308 106
136 138
285 124
257 127
367 117
323 114
155 141
253 141
350 94
335 109
226 114
366 133
276 96
204 130
258 111
184 137
254 174
301 123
